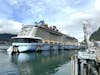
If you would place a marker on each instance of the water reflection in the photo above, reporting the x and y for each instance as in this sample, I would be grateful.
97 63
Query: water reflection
45 63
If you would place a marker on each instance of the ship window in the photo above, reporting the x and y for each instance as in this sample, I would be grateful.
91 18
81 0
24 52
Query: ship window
35 40
26 40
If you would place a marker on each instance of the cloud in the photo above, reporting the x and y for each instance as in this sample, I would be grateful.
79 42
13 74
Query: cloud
97 4
9 26
75 25
67 15
51 11
80 4
5 10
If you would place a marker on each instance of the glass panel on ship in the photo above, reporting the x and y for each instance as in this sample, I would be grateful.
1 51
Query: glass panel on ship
25 30
26 40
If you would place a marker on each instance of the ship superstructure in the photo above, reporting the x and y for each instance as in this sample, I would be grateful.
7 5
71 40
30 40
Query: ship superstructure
42 38
48 35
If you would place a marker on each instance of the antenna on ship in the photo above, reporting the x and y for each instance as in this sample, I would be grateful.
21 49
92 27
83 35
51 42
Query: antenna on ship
40 23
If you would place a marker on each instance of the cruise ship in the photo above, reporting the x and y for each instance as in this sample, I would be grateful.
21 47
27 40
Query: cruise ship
40 37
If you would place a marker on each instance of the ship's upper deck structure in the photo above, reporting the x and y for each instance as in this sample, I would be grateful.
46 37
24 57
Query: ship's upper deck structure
48 34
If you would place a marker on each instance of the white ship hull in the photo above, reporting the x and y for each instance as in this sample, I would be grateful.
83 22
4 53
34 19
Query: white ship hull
32 47
23 47
39 47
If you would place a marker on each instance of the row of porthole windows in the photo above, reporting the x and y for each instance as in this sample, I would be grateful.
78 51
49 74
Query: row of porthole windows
58 42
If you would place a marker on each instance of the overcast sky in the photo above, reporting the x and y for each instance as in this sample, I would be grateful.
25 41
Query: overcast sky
67 15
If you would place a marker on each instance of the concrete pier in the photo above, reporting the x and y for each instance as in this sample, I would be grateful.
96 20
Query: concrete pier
85 66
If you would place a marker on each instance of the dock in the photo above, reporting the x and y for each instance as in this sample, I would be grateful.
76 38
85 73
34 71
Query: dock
86 63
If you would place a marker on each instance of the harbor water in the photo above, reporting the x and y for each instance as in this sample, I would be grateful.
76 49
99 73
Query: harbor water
43 63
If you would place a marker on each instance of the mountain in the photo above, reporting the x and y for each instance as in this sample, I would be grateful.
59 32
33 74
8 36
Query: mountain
96 35
5 39
6 36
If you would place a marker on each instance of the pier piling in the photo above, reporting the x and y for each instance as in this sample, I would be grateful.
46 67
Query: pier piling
84 67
